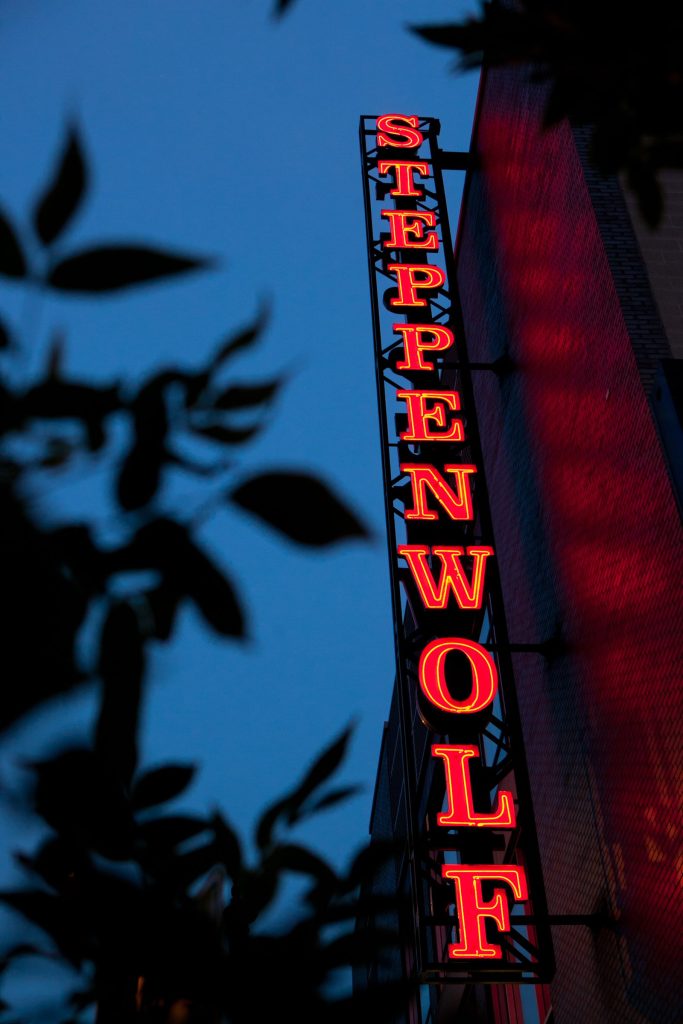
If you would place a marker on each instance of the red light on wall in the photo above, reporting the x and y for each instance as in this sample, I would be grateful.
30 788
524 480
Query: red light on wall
420 413
408 229
405 175
432 675
419 338
468 593
423 477
472 909
459 790
401 131
412 278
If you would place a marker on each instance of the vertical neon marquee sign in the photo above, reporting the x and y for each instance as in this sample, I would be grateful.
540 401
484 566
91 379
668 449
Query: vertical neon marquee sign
478 897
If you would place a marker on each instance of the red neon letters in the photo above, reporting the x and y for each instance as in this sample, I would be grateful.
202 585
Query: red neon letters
432 675
467 593
445 576
420 413
408 229
459 789
405 175
423 478
472 909
399 131
419 338
412 278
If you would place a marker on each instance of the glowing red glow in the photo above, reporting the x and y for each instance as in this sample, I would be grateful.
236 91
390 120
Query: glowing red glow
472 909
483 674
611 535
423 478
420 414
468 593
399 131
419 338
408 229
459 789
412 278
405 175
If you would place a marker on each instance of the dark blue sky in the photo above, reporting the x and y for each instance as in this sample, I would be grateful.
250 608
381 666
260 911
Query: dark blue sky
212 129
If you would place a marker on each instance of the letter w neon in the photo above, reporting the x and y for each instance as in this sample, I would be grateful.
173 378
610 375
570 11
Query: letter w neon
467 593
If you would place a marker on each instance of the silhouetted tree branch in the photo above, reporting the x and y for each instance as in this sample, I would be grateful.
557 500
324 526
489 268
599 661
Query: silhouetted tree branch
615 66
161 915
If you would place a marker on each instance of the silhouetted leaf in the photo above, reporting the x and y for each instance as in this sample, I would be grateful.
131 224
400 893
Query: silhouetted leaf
42 908
299 860
55 357
190 866
121 668
441 35
110 268
324 765
299 506
80 551
202 581
503 33
12 262
290 806
632 102
197 468
228 846
23 949
194 385
241 340
172 830
85 802
269 818
140 475
163 603
216 599
210 898
5 337
167 546
281 7
252 892
226 435
64 193
43 596
161 784
60 399
61 864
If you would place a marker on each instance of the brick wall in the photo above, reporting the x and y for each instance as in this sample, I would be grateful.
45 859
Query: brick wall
662 252
588 541
628 267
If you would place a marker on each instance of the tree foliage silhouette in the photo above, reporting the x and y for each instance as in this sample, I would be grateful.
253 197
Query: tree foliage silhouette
131 896
615 66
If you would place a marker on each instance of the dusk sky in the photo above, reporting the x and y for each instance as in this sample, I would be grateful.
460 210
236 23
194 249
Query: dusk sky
211 128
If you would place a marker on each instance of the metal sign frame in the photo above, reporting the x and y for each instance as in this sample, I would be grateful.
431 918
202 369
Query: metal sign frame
527 947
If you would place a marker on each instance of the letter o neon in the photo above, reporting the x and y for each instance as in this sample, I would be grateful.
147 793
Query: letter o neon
432 675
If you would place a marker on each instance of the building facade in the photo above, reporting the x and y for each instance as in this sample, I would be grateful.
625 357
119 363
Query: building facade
573 312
